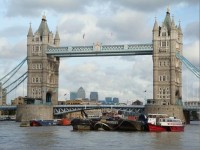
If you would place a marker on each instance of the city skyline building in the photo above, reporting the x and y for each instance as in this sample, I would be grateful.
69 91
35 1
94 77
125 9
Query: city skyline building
81 93
94 96
108 99
73 95
115 100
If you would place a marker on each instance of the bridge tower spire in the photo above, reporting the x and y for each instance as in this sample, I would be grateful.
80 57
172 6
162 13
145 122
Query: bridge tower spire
42 69
57 38
167 69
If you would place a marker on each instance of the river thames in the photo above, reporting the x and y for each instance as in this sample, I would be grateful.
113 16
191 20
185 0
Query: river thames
13 137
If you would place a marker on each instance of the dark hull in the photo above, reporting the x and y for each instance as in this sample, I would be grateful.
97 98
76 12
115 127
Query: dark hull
108 125
83 124
121 125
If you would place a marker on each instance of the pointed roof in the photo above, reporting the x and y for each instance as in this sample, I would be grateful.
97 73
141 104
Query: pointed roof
167 21
179 27
173 23
30 32
43 28
155 27
57 37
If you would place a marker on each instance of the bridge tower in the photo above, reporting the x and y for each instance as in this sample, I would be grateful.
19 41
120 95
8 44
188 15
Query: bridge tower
167 69
43 70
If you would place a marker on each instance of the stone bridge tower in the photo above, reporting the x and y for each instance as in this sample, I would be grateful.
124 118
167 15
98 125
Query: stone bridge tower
167 69
43 70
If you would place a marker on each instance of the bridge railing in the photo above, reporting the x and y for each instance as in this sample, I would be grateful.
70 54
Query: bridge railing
62 109
101 50
186 107
99 106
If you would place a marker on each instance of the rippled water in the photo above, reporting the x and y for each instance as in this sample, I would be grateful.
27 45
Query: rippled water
13 137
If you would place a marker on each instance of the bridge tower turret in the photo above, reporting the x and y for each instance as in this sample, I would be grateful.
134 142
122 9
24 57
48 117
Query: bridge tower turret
43 70
167 69
57 39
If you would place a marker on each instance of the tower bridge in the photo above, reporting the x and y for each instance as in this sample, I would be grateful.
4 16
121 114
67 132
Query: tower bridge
44 52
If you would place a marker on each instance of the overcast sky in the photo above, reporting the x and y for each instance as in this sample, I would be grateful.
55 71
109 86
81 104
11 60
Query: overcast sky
107 22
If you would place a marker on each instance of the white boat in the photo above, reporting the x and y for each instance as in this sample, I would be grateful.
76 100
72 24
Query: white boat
161 122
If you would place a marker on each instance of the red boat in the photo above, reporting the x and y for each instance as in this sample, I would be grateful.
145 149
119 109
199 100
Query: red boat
64 122
160 122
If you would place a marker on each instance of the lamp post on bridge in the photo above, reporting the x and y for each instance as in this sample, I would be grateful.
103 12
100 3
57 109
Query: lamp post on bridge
65 96
145 97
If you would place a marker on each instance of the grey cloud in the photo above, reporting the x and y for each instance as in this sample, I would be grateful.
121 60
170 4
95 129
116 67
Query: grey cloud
13 31
146 5
36 7
192 31
72 26
132 27
110 80
191 52
11 52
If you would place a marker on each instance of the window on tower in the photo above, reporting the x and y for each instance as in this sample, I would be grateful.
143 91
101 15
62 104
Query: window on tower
164 34
163 43
160 78
36 80
33 49
163 78
33 66
37 39
33 80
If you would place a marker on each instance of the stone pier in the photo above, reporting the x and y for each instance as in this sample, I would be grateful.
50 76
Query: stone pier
29 112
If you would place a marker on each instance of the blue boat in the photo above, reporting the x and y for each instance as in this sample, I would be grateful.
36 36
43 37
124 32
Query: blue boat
42 123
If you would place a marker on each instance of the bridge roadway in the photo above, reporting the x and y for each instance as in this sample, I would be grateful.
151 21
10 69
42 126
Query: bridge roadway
61 109
101 50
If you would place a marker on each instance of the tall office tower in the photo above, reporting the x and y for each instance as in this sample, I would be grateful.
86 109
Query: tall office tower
81 93
115 100
108 99
73 95
94 96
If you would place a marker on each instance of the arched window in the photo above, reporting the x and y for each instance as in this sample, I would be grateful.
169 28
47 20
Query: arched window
164 78
33 80
160 78
163 91
164 33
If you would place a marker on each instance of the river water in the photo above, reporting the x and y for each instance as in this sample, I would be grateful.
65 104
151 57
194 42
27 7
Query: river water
13 137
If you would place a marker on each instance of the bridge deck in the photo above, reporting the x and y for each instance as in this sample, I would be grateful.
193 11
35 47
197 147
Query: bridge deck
10 107
101 50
